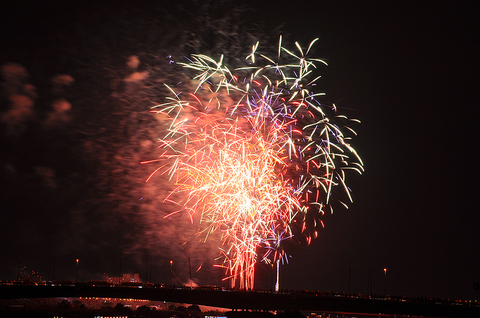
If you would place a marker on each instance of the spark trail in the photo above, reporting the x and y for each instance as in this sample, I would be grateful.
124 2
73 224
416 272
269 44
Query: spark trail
254 155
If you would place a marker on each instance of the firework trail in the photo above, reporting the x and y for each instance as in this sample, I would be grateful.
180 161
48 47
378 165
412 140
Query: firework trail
252 153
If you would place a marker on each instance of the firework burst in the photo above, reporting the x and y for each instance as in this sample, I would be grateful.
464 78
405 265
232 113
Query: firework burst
252 152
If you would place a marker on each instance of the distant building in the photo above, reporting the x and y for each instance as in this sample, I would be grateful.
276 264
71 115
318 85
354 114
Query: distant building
126 278
27 275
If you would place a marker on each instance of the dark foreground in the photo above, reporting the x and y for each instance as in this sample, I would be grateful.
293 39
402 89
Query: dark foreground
254 301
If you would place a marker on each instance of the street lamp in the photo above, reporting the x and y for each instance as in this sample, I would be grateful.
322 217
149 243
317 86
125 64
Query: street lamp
349 278
171 270
385 271
76 272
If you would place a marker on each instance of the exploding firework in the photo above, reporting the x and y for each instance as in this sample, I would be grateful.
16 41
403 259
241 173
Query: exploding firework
254 155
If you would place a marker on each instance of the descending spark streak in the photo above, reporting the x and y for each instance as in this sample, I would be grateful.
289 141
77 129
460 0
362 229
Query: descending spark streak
256 156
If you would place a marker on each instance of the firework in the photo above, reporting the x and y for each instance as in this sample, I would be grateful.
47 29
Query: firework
252 152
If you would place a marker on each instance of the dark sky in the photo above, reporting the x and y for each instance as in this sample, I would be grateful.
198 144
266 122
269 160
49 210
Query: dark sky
407 69
408 72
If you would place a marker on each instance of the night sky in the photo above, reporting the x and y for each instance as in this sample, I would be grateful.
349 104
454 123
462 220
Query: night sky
408 71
